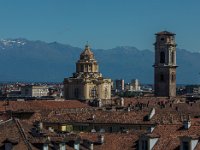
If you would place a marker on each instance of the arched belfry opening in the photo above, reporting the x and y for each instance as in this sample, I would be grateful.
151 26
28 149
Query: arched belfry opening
162 57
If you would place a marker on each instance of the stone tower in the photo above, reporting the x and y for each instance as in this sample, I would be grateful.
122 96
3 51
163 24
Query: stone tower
165 64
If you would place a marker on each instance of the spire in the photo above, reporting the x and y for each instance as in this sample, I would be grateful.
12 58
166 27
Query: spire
87 46
87 43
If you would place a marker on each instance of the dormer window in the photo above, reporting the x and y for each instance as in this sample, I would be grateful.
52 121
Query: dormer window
144 145
62 146
45 146
147 141
9 143
77 144
188 143
8 146
185 145
186 124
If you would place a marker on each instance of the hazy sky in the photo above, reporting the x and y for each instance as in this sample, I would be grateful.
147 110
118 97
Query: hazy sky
104 23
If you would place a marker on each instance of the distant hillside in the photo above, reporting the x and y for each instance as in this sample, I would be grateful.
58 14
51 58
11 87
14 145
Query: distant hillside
24 60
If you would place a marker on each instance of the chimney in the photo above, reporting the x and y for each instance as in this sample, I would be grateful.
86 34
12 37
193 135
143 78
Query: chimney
189 117
129 109
99 101
122 102
51 129
40 125
93 117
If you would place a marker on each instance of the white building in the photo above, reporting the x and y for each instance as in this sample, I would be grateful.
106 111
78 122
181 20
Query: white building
34 91
135 85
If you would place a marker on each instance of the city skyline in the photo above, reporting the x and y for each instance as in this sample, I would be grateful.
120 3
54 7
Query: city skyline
105 24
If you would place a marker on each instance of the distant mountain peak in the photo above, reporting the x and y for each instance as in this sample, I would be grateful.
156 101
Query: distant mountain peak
7 43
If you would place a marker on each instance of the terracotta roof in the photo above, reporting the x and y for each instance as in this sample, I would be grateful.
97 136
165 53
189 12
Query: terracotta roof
114 141
99 116
168 118
10 132
170 135
40 105
166 113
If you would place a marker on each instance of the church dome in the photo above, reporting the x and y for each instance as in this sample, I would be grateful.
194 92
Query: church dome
87 53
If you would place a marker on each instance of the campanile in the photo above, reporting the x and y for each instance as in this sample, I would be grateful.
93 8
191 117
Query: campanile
165 64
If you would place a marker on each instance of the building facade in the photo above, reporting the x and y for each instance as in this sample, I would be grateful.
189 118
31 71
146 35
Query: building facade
34 91
87 83
119 85
135 85
165 64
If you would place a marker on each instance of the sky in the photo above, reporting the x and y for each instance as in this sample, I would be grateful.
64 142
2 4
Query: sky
104 24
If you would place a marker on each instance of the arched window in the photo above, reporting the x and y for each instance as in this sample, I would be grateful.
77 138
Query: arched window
162 57
93 92
90 68
172 57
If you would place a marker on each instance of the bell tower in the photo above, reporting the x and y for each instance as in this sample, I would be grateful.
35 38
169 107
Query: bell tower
165 64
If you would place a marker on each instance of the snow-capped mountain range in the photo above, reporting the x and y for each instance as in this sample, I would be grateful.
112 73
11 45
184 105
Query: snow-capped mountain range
7 43
25 60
